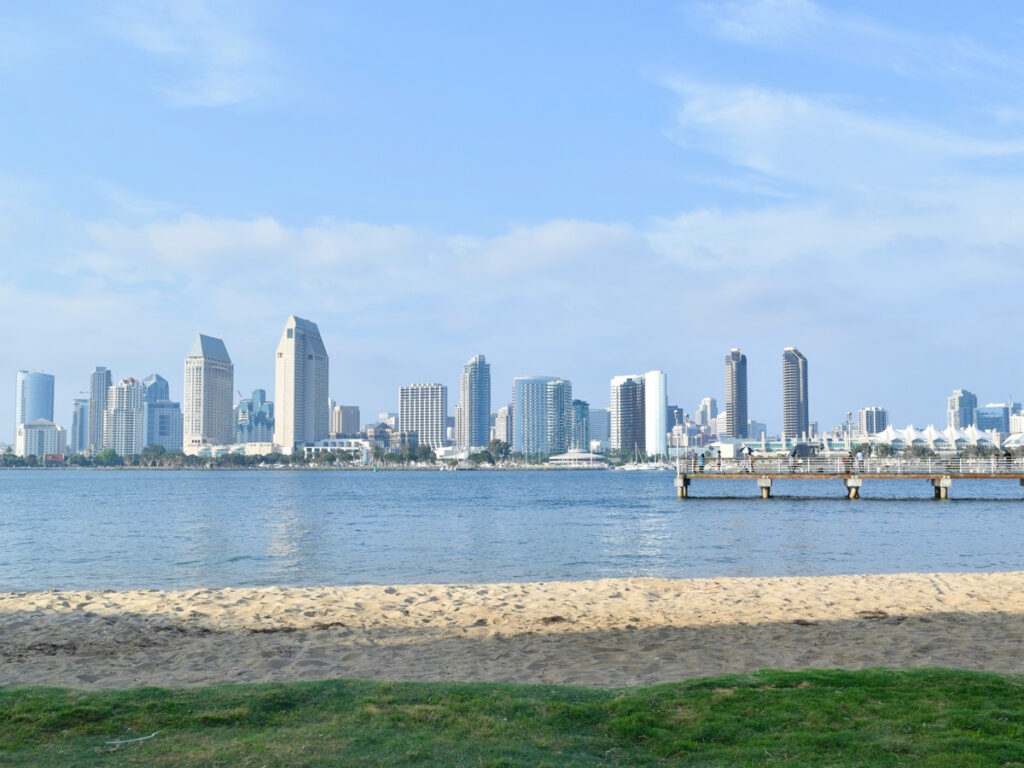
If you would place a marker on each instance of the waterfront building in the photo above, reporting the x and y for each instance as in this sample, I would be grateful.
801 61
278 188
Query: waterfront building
80 425
580 426
124 420
795 422
164 424
33 397
100 382
473 411
993 416
601 424
301 386
655 413
735 394
38 438
541 415
628 414
156 388
208 417
423 409
707 412
961 409
503 425
254 419
345 420
871 420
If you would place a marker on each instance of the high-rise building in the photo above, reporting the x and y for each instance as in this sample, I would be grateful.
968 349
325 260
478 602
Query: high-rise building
600 424
541 415
580 426
961 409
707 412
795 421
80 425
345 420
756 430
423 409
993 416
254 419
628 414
163 418
735 394
124 421
33 397
503 425
872 420
156 388
39 438
655 414
208 417
473 411
301 386
99 387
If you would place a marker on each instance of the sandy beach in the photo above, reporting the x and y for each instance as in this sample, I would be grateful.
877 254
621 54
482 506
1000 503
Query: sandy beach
612 632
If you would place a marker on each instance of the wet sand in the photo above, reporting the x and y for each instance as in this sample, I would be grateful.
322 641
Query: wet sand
612 632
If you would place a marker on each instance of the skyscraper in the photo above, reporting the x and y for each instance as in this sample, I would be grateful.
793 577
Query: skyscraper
99 387
473 412
735 394
80 425
34 397
580 426
209 394
600 424
156 388
423 409
503 424
345 420
628 414
163 419
124 423
255 419
655 414
871 420
961 409
794 395
541 415
707 412
300 386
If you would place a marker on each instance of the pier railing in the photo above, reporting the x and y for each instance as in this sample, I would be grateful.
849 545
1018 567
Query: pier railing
838 466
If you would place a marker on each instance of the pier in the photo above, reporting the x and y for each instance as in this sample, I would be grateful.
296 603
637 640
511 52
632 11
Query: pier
940 472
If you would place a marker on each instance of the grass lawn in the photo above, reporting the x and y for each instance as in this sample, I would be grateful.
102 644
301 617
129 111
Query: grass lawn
876 717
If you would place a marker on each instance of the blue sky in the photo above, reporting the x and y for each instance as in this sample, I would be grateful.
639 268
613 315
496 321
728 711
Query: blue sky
573 189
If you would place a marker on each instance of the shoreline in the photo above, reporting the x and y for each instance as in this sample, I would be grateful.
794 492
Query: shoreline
610 632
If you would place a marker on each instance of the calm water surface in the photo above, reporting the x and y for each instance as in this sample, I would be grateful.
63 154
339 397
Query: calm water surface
163 529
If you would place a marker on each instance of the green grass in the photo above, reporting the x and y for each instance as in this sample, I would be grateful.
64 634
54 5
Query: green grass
874 717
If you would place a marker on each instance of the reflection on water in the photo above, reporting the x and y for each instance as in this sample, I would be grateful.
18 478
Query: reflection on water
123 529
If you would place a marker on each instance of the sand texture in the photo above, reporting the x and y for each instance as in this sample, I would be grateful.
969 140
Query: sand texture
611 632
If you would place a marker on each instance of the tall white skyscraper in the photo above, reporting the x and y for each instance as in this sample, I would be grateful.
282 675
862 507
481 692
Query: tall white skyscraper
655 413
707 412
301 401
423 409
208 417
473 412
124 420
99 386
795 420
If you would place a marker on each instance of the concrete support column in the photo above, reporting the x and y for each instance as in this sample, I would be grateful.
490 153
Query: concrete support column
941 485
853 485
683 486
765 484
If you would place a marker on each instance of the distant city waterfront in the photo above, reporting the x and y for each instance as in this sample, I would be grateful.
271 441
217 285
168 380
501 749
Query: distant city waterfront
122 529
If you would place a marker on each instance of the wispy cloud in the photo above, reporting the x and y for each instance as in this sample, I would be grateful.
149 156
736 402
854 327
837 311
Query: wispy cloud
216 57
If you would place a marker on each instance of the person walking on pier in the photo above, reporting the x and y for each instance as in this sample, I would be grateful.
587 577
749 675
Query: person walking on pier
701 462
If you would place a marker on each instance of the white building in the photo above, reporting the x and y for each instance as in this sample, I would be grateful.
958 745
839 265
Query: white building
503 425
38 438
655 414
124 420
871 420
208 417
423 409
707 412
302 415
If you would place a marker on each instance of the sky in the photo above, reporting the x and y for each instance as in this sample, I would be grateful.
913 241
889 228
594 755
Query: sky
571 189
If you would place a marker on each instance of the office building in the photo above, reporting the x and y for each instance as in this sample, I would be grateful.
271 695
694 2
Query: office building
208 417
993 416
124 421
795 422
345 420
301 386
707 412
756 430
163 418
580 440
80 425
628 414
871 421
961 409
156 388
423 409
254 419
541 415
39 438
473 411
33 397
735 395
503 425
601 424
655 414
99 386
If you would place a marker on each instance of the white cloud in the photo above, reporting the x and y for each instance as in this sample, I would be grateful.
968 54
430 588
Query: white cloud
761 21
